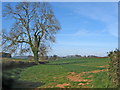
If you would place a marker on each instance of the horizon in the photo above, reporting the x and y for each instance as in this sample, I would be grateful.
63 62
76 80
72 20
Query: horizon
58 56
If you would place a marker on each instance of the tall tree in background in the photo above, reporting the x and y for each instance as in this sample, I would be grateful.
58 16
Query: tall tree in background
34 24
43 51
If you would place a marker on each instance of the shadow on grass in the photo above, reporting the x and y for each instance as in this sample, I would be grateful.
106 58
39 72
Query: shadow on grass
10 84
10 79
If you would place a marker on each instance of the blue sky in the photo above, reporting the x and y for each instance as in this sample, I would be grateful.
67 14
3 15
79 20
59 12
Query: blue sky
88 28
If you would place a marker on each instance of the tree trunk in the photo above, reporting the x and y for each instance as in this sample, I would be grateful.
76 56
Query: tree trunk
36 57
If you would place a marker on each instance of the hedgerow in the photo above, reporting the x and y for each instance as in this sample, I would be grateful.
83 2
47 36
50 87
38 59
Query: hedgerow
114 68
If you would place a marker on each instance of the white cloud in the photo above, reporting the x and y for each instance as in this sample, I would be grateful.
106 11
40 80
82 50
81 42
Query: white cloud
82 48
103 14
106 13
84 33
88 33
88 44
112 29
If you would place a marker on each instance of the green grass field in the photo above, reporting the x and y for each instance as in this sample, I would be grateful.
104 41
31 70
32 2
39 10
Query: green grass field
68 73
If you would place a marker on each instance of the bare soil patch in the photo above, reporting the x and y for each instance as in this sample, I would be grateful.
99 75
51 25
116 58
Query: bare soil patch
81 82
77 77
62 85
72 76
95 71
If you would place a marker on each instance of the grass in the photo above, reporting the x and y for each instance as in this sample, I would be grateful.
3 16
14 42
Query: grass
10 80
79 69
13 73
42 72
13 59
100 80
56 72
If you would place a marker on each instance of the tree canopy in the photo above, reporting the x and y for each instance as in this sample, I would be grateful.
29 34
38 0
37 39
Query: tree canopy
35 25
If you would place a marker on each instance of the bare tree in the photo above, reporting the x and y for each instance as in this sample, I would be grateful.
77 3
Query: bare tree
43 51
34 24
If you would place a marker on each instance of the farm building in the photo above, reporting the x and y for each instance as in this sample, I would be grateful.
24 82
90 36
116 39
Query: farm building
5 55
